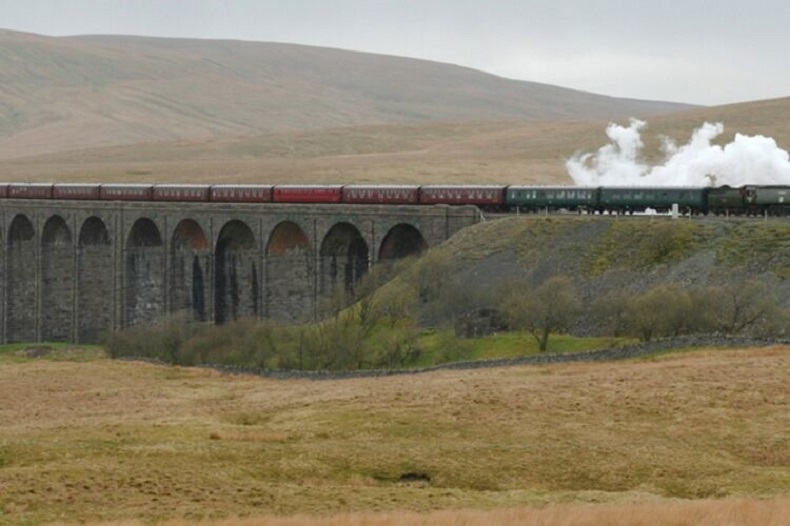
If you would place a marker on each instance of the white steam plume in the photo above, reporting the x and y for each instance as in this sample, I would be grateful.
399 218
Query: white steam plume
746 160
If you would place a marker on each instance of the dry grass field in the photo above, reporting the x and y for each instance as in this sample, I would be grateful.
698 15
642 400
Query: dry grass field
735 512
658 441
516 152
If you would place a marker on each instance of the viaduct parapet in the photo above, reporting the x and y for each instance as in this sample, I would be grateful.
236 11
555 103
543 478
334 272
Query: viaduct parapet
77 270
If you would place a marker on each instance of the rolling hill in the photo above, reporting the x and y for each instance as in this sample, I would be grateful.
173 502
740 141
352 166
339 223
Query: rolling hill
152 109
65 93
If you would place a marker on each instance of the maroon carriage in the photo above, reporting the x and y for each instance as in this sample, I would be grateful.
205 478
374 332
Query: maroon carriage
240 193
30 190
83 191
126 192
481 195
381 194
307 193
180 192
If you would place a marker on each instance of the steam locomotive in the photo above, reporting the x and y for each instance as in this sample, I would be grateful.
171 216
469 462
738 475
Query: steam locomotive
743 200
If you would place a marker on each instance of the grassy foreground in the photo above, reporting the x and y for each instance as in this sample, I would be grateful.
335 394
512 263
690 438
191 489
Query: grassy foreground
120 442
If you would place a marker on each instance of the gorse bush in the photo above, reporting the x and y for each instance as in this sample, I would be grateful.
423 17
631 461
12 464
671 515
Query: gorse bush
163 341
736 308
345 341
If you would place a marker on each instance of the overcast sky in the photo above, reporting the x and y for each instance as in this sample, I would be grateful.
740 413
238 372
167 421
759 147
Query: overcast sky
697 51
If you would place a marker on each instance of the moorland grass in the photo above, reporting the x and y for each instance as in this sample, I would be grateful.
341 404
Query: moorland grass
721 512
59 351
115 441
509 152
510 344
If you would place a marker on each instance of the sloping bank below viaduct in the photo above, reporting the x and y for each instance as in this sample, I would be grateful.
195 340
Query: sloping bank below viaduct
76 270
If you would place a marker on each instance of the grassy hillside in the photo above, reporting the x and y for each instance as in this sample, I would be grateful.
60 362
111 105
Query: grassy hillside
608 259
588 247
142 109
482 151
68 93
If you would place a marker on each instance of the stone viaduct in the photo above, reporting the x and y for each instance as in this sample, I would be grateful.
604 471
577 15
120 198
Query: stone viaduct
76 270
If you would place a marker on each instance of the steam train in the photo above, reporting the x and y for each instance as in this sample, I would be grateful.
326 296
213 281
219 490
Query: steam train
743 200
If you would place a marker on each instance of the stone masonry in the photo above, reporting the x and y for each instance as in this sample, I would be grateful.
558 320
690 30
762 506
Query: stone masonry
77 270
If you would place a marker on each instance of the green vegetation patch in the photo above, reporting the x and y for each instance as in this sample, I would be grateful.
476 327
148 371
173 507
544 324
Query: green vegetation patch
757 245
641 244
19 352
531 236
443 346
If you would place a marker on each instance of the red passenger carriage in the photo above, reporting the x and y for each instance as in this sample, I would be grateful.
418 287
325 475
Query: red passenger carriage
180 192
126 192
240 193
381 194
482 195
306 193
89 191
30 190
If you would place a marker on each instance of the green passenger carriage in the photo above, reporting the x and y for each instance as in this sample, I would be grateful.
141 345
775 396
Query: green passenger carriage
536 198
640 198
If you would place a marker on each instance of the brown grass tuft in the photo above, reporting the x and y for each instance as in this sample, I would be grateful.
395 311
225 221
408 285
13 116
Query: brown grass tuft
687 434
735 512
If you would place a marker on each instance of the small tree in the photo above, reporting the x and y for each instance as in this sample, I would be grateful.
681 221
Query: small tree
430 275
398 345
610 313
664 310
738 307
550 308
396 303
162 341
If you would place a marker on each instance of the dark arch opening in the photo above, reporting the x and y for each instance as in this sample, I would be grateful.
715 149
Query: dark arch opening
402 241
189 235
144 274
344 258
93 232
190 257
21 230
285 237
236 274
56 232
144 233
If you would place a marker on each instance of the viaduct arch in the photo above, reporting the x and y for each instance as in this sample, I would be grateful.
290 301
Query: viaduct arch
75 271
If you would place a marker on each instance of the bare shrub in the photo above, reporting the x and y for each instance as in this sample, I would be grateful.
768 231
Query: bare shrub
610 313
551 307
162 341
661 311
739 307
